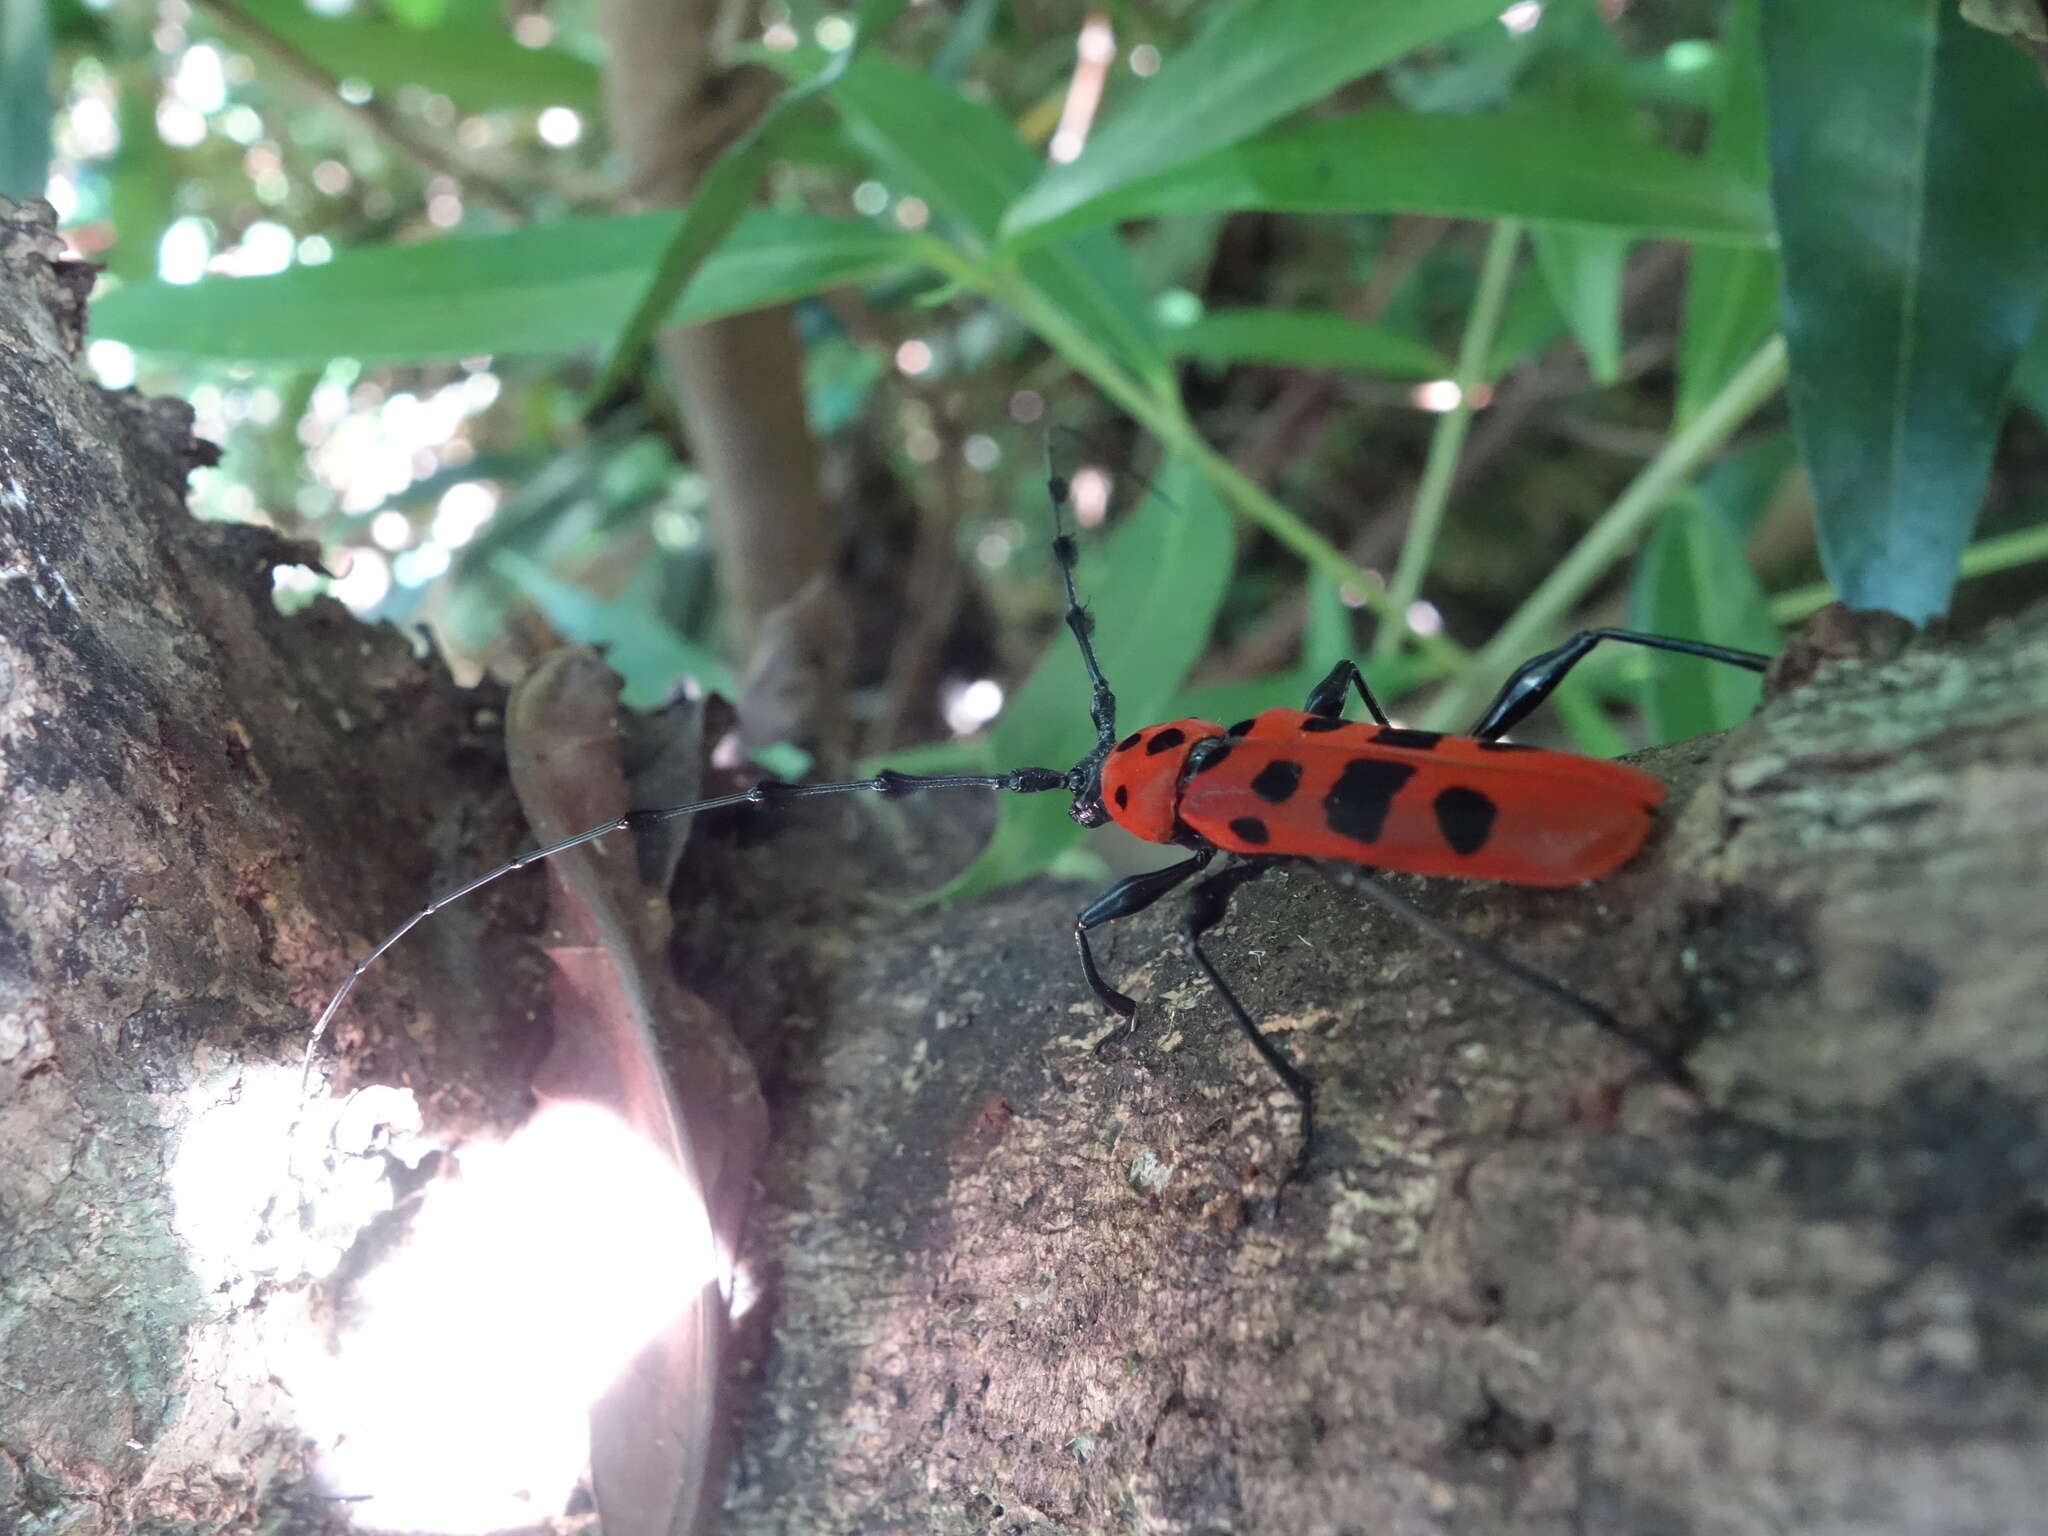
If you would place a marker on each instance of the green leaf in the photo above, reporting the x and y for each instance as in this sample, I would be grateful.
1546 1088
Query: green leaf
1694 582
1526 164
1914 215
24 98
1305 338
1583 268
720 201
547 288
1159 583
2030 379
1256 62
142 187
1529 324
649 655
967 163
1731 294
477 66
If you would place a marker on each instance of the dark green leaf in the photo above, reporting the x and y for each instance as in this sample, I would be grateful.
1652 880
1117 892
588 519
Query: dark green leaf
1305 338
1156 591
143 188
722 196
1529 164
1529 323
649 656
542 289
2030 379
1914 213
1583 268
1693 581
24 98
1731 294
1256 62
478 66
967 163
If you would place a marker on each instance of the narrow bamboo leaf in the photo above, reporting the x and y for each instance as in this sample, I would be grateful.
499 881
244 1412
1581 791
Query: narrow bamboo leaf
1305 338
1731 293
142 189
1583 268
1160 581
708 221
967 163
2030 379
1914 216
1731 306
1529 324
478 66
543 289
1693 581
720 201
649 655
24 98
1256 62
1529 163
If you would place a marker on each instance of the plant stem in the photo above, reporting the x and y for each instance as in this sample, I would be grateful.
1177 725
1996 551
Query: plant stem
1448 441
1611 537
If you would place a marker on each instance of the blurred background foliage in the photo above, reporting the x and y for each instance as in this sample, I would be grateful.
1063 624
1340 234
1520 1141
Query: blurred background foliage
1440 330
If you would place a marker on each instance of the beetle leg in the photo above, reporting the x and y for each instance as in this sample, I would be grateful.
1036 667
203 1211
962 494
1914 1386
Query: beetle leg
1533 681
1327 697
1132 894
1207 904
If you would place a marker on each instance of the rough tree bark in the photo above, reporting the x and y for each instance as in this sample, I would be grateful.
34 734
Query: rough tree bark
1016 1284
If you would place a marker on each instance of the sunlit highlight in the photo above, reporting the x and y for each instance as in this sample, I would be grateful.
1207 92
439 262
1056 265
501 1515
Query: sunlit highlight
559 126
1437 395
970 706
459 1399
1089 490
1424 619
1522 16
447 1386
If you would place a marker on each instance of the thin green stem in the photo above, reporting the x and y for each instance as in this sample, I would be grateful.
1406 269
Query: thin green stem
1609 539
2019 547
1433 496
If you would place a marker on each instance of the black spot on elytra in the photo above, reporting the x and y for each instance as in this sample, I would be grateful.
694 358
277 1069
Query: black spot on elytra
1165 741
1396 736
1357 804
1277 781
1240 728
1324 723
1505 746
1123 797
1251 830
1465 817
1130 741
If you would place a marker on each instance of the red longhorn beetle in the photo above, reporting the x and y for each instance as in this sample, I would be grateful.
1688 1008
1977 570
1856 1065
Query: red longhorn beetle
1291 784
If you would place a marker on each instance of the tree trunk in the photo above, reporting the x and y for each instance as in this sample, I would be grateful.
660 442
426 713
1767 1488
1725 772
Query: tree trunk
1019 1283
1010 1283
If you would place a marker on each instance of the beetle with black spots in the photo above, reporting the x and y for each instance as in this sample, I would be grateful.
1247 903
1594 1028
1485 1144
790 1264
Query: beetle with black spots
1292 784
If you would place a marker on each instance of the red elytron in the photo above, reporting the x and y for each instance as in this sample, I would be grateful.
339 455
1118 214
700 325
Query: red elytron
1292 784
1286 782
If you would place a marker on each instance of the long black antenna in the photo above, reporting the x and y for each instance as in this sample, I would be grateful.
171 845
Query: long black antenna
1023 781
1102 706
